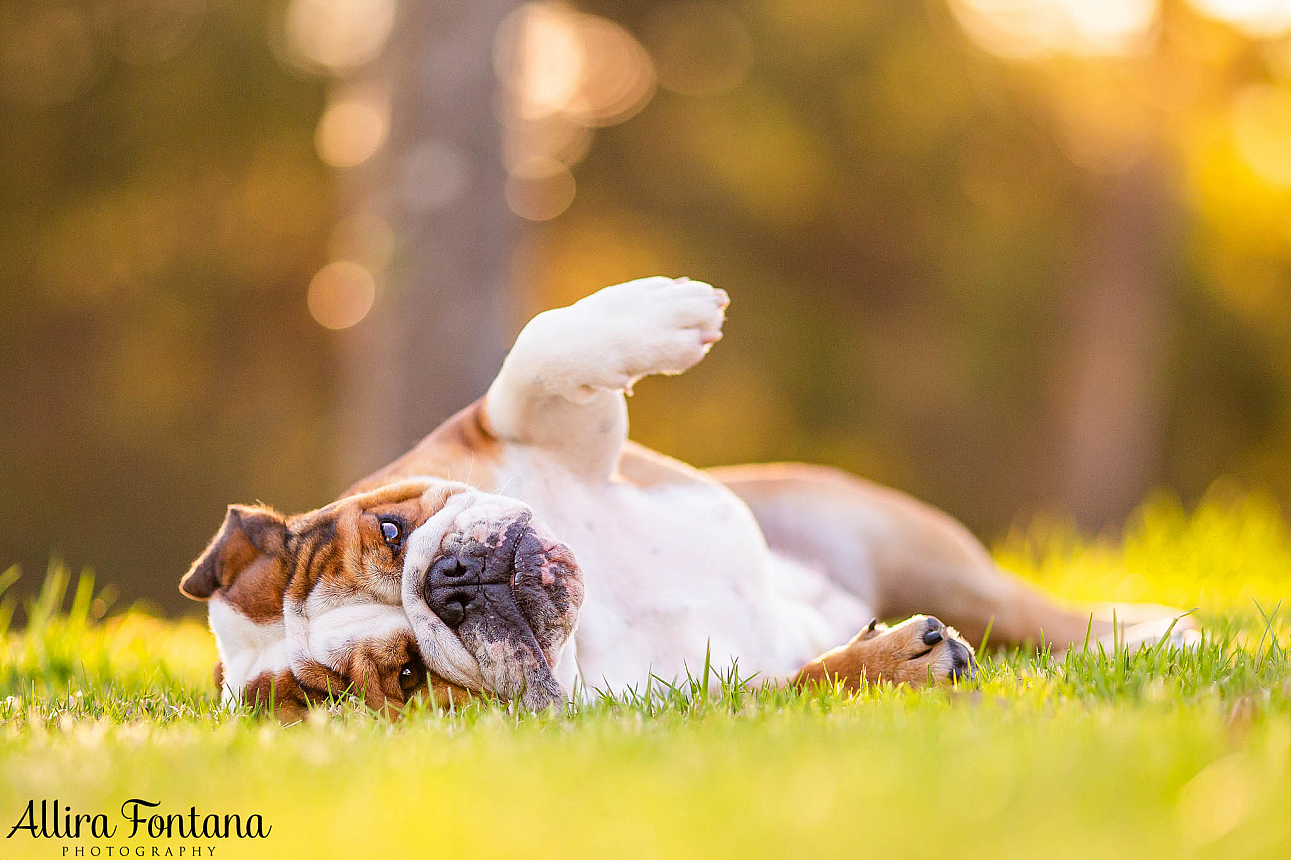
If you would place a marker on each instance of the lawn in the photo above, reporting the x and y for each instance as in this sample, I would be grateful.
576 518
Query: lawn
1156 754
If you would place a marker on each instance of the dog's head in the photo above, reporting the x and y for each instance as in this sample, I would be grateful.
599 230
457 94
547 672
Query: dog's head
424 585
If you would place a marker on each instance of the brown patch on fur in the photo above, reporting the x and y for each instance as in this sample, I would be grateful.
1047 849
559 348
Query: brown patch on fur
277 693
373 674
219 676
258 556
320 682
375 666
244 561
341 548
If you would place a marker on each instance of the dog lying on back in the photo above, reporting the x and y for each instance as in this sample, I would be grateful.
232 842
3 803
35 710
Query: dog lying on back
527 549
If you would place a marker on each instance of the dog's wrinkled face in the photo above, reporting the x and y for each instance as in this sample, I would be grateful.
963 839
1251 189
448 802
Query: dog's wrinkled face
422 585
492 597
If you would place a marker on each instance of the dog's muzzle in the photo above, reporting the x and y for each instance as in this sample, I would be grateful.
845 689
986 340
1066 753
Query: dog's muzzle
512 598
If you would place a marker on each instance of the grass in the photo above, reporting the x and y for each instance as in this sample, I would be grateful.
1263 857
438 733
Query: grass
1156 754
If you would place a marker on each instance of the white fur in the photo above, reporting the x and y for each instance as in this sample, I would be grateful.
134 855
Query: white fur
675 572
324 633
247 648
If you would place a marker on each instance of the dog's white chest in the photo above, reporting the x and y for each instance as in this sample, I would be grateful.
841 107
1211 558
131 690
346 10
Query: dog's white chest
676 573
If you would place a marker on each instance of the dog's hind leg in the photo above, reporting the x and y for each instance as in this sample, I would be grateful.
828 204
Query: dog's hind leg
906 557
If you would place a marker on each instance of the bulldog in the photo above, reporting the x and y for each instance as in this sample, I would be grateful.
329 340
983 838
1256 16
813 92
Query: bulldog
527 549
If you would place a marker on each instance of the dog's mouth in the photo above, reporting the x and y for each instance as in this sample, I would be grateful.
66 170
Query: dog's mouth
510 593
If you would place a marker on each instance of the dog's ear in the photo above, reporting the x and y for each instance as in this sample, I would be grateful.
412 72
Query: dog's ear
251 537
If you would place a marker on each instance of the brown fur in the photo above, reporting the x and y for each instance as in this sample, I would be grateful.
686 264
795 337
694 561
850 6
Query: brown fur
278 694
897 655
244 561
338 547
373 675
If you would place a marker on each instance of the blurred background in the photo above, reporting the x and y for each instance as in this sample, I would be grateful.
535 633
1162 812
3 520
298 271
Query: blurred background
1012 256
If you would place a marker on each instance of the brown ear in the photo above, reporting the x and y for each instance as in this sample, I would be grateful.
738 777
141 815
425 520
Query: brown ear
249 535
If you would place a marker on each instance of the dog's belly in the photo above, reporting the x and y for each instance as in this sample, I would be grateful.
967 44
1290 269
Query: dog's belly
677 572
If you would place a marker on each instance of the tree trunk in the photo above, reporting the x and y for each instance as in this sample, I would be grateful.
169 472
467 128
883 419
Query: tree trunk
437 332
1110 396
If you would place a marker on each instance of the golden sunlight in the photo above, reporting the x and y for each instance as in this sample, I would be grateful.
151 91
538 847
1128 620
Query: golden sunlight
1029 29
1254 17
539 57
1262 131
557 61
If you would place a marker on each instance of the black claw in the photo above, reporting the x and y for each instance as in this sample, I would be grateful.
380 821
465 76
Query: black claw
962 666
966 673
874 622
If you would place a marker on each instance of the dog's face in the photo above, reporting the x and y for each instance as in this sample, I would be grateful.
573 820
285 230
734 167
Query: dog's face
424 585
492 597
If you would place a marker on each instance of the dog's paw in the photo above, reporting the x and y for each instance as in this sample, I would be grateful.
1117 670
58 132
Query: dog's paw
652 325
919 651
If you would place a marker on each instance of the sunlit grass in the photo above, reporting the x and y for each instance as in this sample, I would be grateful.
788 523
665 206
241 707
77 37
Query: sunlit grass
1154 754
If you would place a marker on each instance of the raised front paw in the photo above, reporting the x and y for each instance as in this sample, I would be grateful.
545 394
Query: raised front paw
919 651
652 325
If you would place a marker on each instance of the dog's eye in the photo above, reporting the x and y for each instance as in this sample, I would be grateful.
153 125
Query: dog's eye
391 532
409 678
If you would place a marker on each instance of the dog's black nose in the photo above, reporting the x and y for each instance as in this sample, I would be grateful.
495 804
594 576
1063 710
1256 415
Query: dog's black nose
452 586
452 612
449 567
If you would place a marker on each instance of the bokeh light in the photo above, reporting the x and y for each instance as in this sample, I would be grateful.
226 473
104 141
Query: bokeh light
1262 131
1255 17
1023 29
433 174
539 189
555 60
337 35
699 49
618 77
553 137
350 131
341 294
564 73
539 57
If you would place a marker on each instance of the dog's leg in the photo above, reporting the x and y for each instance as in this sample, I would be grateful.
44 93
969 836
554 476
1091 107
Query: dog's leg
561 387
903 556
918 651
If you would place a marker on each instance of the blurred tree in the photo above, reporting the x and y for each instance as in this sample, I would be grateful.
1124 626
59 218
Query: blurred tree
1110 386
427 213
